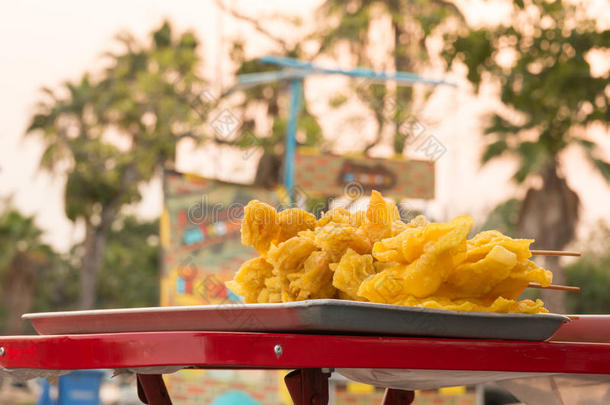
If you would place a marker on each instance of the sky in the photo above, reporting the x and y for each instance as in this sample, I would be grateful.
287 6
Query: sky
46 43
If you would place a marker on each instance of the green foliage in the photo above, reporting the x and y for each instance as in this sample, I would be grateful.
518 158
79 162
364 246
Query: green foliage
547 81
338 100
504 218
24 258
18 235
539 59
57 289
347 22
152 92
129 275
149 95
111 132
591 273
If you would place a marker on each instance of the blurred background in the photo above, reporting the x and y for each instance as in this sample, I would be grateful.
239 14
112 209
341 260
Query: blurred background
124 122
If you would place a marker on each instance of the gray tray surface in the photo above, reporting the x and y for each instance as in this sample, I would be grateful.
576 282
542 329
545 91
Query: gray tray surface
313 316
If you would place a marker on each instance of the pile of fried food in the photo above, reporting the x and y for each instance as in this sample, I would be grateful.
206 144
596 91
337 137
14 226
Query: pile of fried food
373 256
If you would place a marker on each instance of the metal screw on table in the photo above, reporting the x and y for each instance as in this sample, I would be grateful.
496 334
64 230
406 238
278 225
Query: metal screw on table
278 350
2 351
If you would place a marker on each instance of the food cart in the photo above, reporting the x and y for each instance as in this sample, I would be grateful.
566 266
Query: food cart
573 364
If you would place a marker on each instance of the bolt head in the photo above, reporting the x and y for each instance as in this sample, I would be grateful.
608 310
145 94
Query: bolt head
277 349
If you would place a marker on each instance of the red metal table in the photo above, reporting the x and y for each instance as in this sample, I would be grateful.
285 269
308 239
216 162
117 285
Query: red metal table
310 356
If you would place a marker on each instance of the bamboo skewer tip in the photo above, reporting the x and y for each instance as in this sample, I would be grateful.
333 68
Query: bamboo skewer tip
540 252
555 287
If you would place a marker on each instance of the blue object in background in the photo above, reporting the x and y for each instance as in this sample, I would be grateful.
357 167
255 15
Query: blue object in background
81 387
234 398
45 395
192 235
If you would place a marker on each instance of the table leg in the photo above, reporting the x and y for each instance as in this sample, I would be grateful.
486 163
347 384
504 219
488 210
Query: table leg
397 397
152 390
308 386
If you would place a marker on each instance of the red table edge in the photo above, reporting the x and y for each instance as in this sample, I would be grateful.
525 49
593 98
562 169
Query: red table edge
296 351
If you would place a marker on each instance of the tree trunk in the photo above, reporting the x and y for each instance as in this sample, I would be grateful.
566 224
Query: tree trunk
95 246
268 171
554 300
550 215
18 292
96 237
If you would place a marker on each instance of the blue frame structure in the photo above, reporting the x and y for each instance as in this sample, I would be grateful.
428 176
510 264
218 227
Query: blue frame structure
296 71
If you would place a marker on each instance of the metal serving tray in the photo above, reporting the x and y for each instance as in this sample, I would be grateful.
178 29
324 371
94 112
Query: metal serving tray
312 316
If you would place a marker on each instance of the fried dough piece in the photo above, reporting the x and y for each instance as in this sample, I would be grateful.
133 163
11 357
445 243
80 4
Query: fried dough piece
357 219
292 221
314 280
409 244
523 273
500 304
336 238
260 226
418 222
288 257
272 292
398 227
484 241
338 215
351 271
423 276
380 215
249 281
479 278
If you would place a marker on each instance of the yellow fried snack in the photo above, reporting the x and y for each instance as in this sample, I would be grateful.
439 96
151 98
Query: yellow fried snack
357 219
424 275
495 266
484 241
336 238
288 257
272 291
380 216
374 256
314 280
292 221
418 222
479 278
409 244
498 305
351 271
398 227
249 281
523 273
338 215
260 226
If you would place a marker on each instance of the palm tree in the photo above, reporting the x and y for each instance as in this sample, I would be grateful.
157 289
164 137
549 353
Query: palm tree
148 98
22 257
99 178
552 97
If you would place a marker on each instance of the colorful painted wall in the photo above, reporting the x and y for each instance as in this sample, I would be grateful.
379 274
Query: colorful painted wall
201 249
200 235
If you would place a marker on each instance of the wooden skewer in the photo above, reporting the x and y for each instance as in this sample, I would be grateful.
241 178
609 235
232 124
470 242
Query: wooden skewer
555 287
554 253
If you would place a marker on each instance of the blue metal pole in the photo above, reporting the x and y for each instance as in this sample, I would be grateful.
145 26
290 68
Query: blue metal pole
296 87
